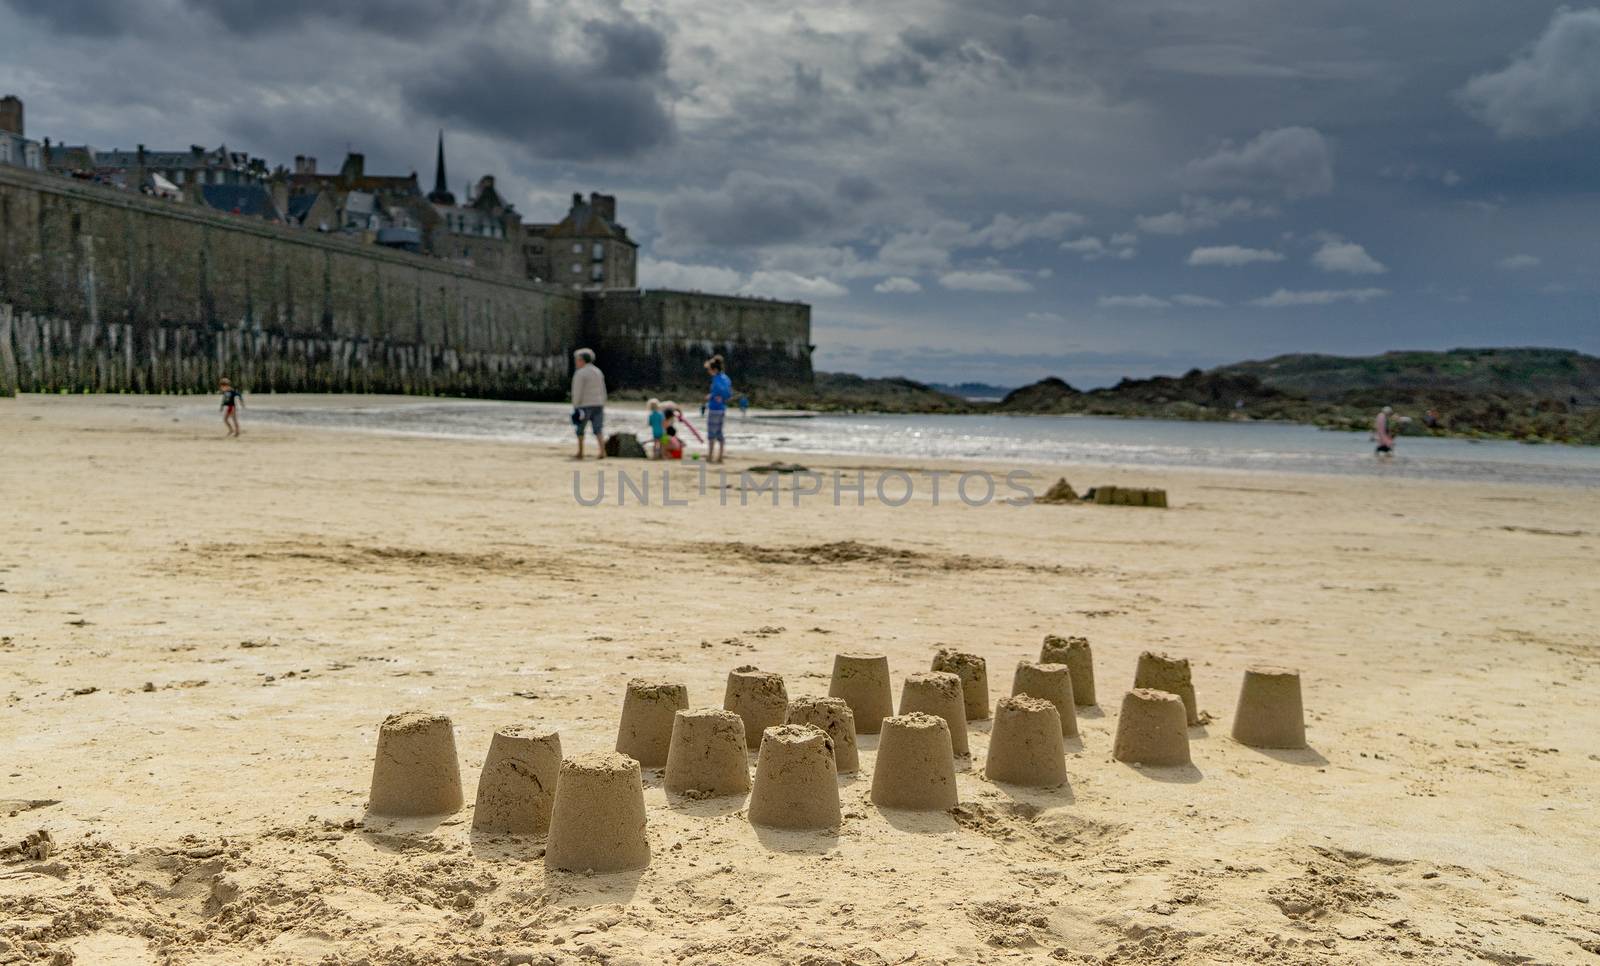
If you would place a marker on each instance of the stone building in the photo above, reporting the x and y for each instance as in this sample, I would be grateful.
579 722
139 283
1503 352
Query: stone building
585 250
15 148
485 231
187 170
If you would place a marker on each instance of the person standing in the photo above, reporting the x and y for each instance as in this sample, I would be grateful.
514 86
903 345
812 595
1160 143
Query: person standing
1383 432
717 409
232 402
588 400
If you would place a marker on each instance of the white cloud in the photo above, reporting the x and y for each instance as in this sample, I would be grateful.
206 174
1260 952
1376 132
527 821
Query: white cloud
898 284
1231 256
1140 301
1087 245
984 282
1516 263
1296 161
1550 88
1124 238
791 285
1093 249
678 275
1347 257
1050 317
1196 301
1283 297
1008 231
1198 213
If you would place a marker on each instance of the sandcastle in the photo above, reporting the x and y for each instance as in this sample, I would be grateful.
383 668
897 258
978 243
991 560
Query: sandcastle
833 716
1025 746
597 824
1052 683
974 675
1074 652
517 787
915 767
708 756
1270 714
1166 673
647 712
1129 496
759 698
415 771
938 693
1151 730
796 785
862 680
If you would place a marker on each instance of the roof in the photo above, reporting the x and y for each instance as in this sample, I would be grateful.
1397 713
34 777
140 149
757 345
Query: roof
585 221
250 199
300 205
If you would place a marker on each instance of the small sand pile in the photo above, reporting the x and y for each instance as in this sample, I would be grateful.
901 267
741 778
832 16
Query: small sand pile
1074 652
1129 496
833 716
707 758
415 771
598 821
1270 714
1052 683
36 846
1025 747
517 787
1166 673
938 693
759 698
974 675
862 680
645 732
796 785
1060 492
1151 729
915 768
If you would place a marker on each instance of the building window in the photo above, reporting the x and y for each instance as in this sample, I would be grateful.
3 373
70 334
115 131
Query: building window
577 248
577 269
599 251
599 273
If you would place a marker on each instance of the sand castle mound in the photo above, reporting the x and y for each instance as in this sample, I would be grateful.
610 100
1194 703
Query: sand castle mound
1052 683
415 771
1025 747
915 767
708 757
833 716
862 680
598 822
1270 714
938 693
1152 730
759 698
1171 674
517 787
1075 653
645 732
796 784
974 675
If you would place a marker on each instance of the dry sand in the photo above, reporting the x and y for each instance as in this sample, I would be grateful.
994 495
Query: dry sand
199 639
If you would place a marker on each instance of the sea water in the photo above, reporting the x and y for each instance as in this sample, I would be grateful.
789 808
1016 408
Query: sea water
1275 447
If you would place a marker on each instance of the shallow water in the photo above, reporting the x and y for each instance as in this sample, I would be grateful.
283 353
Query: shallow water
1275 447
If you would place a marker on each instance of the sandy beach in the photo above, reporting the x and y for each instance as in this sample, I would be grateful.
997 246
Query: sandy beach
200 637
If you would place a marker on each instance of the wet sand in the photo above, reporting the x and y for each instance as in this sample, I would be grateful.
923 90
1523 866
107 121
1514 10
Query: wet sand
200 637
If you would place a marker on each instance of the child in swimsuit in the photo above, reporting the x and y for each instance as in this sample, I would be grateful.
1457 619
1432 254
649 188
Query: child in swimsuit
658 427
232 399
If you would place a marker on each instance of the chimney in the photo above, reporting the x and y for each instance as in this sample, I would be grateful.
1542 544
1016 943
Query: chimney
11 114
577 200
604 205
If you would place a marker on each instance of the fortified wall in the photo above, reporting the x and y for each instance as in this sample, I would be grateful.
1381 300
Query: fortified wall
107 291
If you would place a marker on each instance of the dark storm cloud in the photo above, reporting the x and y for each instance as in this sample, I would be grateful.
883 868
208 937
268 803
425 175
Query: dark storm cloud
397 18
628 48
90 18
749 209
552 106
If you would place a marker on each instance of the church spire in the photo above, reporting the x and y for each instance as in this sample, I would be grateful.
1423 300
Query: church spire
440 195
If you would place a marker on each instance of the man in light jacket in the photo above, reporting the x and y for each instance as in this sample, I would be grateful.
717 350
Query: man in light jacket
588 400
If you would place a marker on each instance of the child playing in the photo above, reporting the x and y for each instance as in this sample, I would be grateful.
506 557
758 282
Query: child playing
658 428
231 399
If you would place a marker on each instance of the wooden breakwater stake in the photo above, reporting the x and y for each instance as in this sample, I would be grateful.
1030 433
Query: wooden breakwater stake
1151 730
517 787
598 823
974 675
1074 652
1025 746
645 731
915 767
1270 714
862 680
796 784
707 758
415 771
938 693
833 716
1167 673
1052 683
759 698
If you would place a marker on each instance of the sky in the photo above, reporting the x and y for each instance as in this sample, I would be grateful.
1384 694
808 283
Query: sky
971 190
